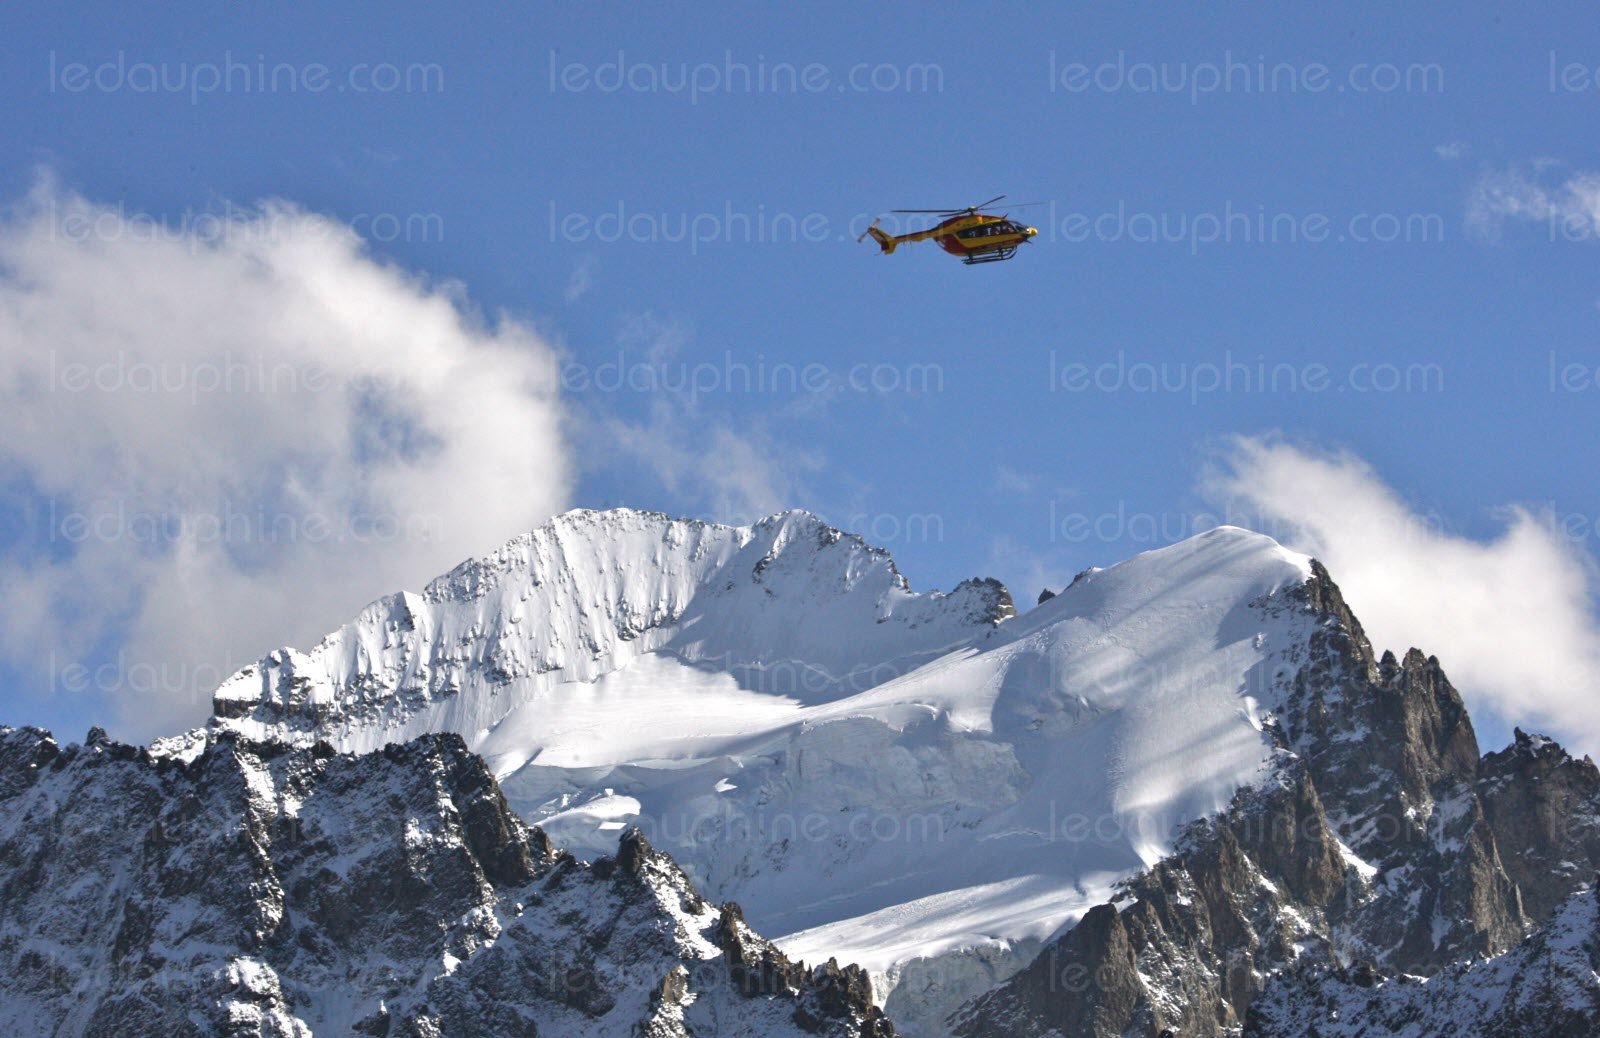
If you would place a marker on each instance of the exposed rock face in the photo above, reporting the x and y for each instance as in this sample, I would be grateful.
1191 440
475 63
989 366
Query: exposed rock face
836 992
1380 842
1394 755
1544 808
1187 945
259 890
1543 988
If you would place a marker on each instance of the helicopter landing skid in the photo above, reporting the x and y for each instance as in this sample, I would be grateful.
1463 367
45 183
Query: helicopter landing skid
991 257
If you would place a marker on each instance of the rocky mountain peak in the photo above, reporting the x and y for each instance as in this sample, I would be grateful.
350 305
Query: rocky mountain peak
270 890
1386 846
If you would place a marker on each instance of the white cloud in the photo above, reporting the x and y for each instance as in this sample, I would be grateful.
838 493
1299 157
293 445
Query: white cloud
1452 150
582 279
1567 203
1511 618
707 464
247 428
708 467
1013 483
1026 570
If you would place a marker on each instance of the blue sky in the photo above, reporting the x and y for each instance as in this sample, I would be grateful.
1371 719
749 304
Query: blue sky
1373 234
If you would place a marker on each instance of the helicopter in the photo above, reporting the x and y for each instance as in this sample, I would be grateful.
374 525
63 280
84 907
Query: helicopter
976 237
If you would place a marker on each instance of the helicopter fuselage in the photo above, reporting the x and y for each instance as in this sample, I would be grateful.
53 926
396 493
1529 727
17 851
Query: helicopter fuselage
980 234
973 236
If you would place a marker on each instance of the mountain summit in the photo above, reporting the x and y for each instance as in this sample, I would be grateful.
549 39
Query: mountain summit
927 784
585 596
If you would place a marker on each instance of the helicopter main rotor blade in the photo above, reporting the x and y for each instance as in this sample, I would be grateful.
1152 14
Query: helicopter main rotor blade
953 212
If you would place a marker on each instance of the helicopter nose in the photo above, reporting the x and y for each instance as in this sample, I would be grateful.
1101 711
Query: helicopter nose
1032 231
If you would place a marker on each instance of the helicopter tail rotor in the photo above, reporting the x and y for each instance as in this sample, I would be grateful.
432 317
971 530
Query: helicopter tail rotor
885 240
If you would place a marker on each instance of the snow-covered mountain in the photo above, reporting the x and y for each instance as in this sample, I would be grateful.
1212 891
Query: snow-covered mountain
922 783
788 606
1137 807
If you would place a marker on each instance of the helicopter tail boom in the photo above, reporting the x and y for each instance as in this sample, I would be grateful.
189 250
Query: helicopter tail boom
885 240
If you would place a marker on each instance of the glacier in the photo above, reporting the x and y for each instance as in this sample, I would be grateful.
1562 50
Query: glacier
926 784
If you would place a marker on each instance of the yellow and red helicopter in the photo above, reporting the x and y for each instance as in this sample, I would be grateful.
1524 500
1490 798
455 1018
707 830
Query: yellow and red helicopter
976 237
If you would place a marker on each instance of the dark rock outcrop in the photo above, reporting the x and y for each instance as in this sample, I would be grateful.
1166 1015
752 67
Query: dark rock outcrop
1543 988
1544 809
827 995
1186 945
994 596
1381 848
263 890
